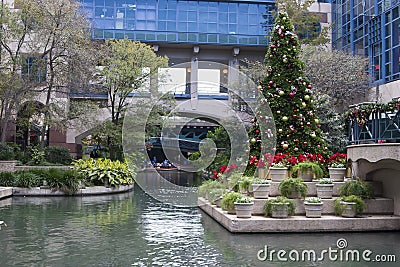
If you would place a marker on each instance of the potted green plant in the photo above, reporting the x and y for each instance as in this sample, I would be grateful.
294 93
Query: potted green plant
313 207
278 171
215 196
228 201
207 186
260 188
349 206
244 185
280 207
337 167
358 188
308 170
293 188
324 188
243 207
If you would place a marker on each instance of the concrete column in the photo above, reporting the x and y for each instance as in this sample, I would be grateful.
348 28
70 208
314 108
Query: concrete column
194 65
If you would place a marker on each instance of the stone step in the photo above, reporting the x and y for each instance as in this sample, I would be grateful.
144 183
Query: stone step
327 223
5 192
312 189
377 205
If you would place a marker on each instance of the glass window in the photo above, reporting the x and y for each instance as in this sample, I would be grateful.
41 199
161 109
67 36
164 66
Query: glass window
140 25
171 15
140 36
162 25
223 38
141 14
253 8
202 38
34 68
232 28
119 35
202 27
232 7
223 28
108 34
192 27
212 27
232 17
171 37
161 37
223 17
162 14
151 25
150 37
171 26
151 14
192 37
212 17
223 6
213 6
212 38
182 26
192 16
243 8
182 37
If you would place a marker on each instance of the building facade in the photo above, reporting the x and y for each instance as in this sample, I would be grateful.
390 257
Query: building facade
370 28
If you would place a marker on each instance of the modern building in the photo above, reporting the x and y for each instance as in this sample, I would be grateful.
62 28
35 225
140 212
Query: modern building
371 28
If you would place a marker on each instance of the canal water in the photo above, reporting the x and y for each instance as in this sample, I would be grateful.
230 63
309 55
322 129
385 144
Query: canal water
133 229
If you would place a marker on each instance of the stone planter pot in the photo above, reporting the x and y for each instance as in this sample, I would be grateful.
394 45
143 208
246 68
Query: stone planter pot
232 212
243 210
218 202
278 174
280 210
313 210
324 190
349 209
337 174
261 190
307 175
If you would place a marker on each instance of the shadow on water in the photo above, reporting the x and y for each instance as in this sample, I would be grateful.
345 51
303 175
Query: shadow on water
133 229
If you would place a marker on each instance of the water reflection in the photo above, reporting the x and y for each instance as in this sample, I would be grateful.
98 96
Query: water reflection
133 229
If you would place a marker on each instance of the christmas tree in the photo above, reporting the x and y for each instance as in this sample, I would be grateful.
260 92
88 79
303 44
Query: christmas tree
289 94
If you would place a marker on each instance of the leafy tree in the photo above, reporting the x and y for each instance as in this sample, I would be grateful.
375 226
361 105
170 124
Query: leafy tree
14 88
289 94
306 23
337 74
128 67
60 41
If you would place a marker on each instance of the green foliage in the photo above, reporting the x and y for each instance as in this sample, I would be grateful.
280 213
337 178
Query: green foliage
325 181
312 200
57 155
244 200
216 193
6 152
64 180
358 188
208 185
7 179
27 179
37 157
228 201
260 181
339 206
233 183
304 166
244 184
269 205
104 171
292 185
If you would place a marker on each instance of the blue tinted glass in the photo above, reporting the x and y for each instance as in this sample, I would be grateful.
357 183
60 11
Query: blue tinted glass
109 2
151 14
253 8
192 37
192 27
140 25
202 27
151 25
213 6
140 36
162 26
192 16
171 37
183 6
232 28
171 4
243 8
223 28
232 17
212 17
253 29
203 6
232 39
253 40
104 23
223 38
171 26
171 15
151 4
130 24
182 27
98 34
108 34
212 38
182 15
162 4
243 40
99 2
182 37
232 7
202 38
119 35
150 37
130 13
161 37
162 14
223 7
212 27
223 17
243 19
141 14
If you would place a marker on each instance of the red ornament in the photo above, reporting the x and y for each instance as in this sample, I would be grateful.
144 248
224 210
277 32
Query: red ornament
309 86
294 116
271 83
291 95
308 124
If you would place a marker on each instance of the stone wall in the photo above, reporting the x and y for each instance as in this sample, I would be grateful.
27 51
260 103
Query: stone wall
8 166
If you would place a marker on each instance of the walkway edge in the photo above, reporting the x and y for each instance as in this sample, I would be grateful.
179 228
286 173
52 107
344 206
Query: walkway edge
327 223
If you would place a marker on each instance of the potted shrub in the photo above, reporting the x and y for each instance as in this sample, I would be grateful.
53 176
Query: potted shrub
337 167
228 201
293 188
206 187
324 188
244 185
313 207
349 206
358 188
280 207
243 207
260 188
215 196
278 171
307 170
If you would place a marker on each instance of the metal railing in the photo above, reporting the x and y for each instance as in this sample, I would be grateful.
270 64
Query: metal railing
379 127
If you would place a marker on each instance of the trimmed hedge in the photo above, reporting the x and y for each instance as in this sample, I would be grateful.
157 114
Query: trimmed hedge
57 155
